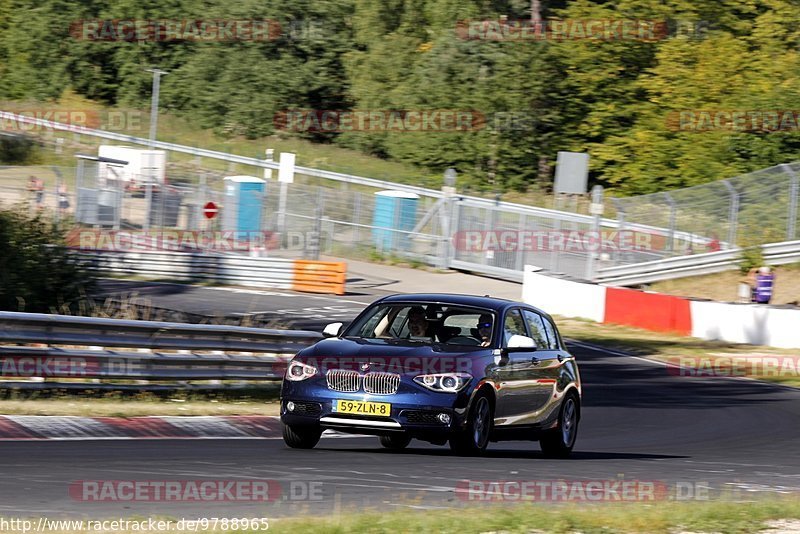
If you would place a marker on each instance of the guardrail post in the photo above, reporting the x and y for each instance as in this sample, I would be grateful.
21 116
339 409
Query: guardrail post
793 191
733 215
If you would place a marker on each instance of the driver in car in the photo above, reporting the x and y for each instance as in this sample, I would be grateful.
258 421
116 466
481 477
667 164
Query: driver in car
417 323
484 328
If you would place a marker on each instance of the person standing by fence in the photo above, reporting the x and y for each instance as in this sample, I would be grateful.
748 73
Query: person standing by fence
762 283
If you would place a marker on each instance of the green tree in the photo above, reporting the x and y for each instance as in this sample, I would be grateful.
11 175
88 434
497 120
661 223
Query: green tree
37 274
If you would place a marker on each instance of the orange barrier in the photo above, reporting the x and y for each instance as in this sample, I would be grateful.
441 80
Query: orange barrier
652 311
319 276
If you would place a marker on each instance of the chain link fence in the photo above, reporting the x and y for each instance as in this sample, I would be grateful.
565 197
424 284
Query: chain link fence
443 229
752 209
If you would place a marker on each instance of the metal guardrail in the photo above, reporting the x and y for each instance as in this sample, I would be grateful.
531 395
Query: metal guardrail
88 347
232 269
196 267
694 265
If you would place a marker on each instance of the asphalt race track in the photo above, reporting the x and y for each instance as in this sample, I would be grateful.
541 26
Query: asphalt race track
722 436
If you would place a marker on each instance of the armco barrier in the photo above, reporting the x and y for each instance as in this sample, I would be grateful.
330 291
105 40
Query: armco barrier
91 347
279 273
736 323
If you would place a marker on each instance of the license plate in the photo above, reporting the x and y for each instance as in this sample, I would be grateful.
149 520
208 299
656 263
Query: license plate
363 407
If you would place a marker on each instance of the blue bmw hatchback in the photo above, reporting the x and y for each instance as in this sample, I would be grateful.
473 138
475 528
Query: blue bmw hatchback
454 369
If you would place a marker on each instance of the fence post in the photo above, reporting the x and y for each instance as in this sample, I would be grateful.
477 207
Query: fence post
793 191
672 222
620 222
313 240
59 183
733 215
596 209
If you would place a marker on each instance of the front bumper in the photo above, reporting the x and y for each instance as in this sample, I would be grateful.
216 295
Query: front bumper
413 410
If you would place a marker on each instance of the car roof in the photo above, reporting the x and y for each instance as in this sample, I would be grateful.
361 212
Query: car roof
493 303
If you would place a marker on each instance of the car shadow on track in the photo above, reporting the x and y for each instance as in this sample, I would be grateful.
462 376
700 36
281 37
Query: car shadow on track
511 454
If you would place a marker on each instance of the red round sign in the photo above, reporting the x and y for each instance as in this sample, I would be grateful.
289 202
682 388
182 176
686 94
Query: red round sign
210 210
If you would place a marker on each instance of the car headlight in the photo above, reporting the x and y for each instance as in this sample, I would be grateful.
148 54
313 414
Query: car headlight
444 382
298 371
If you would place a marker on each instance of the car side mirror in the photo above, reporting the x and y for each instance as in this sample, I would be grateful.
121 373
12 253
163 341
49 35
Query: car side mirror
332 330
517 343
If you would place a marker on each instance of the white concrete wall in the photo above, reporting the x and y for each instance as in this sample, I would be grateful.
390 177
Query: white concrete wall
746 323
563 297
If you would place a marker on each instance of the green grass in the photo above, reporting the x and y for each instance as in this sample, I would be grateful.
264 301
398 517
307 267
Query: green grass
664 517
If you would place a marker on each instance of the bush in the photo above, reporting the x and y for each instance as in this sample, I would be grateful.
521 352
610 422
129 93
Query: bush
37 274
17 149
751 257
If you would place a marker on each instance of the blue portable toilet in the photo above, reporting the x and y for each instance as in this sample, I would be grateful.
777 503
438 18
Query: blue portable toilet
394 210
244 202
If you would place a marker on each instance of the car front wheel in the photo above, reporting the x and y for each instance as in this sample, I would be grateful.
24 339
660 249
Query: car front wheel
558 443
301 437
397 442
475 438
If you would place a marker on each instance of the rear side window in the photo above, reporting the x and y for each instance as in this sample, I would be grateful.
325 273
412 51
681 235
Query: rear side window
513 326
552 334
536 325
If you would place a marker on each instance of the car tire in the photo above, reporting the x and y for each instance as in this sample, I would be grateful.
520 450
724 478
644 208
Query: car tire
396 442
474 439
558 443
301 437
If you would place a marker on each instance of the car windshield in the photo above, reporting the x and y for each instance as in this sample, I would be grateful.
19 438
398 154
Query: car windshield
425 323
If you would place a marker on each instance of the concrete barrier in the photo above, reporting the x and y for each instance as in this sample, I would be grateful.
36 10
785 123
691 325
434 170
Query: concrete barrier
716 321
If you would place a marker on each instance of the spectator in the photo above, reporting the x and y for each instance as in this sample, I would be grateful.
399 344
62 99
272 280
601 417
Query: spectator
63 199
36 187
714 244
765 281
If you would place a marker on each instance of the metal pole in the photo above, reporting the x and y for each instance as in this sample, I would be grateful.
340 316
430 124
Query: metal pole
317 234
620 222
793 191
79 207
282 207
733 214
672 216
148 202
154 103
597 210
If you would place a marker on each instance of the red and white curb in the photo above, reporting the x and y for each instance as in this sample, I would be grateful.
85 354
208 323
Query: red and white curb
38 427
46 427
